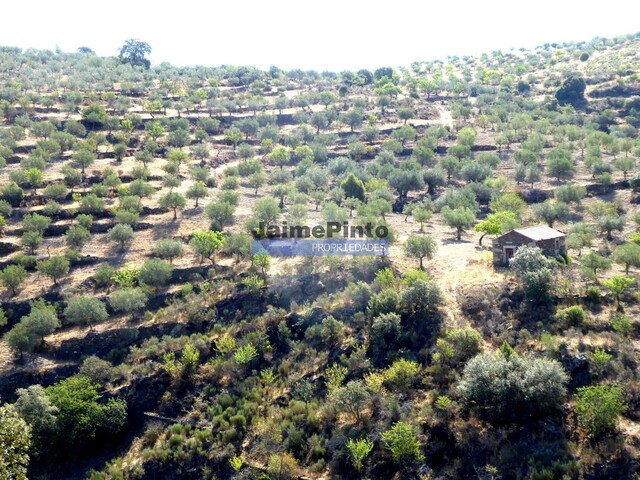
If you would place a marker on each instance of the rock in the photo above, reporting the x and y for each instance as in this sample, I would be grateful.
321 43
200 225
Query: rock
576 365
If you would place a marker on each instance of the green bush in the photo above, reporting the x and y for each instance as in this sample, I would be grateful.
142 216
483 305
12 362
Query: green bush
85 311
402 373
598 408
13 194
245 354
359 450
512 389
15 441
387 301
458 346
156 272
81 417
403 444
571 316
593 294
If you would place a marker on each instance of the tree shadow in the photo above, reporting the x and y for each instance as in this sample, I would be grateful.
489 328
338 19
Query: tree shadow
192 212
453 241
166 229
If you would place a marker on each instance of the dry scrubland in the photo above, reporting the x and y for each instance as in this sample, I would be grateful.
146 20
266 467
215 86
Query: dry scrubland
201 360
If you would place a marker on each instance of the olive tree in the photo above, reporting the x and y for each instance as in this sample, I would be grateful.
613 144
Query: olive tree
197 191
628 255
592 262
206 244
41 321
121 234
77 236
12 276
83 158
128 300
174 201
460 218
420 247
551 212
55 267
85 311
169 249
353 398
35 407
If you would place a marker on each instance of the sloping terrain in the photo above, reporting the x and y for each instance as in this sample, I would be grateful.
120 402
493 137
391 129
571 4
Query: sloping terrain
168 349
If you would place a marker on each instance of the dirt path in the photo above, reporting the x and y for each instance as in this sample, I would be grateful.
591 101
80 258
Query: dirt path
451 261
6 357
446 119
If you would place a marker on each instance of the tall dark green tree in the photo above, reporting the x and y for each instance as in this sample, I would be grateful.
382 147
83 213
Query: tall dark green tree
571 91
134 52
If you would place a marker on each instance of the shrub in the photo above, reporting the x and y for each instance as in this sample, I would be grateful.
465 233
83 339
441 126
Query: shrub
359 450
402 373
512 389
353 187
387 301
599 357
535 270
458 346
334 376
104 275
622 324
78 398
593 294
15 441
402 442
13 194
352 398
421 298
236 463
571 91
6 210
225 344
413 275
97 370
156 272
386 333
245 354
571 316
598 408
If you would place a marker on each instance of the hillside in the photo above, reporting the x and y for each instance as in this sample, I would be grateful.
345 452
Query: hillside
142 337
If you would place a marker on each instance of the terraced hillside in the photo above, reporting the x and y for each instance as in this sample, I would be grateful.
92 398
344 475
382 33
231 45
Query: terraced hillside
143 338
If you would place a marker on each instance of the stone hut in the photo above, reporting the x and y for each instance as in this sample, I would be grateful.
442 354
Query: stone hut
551 241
